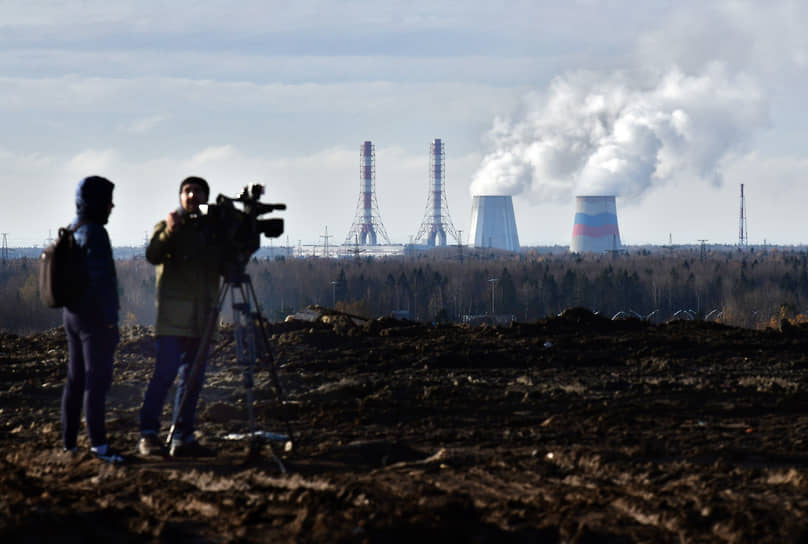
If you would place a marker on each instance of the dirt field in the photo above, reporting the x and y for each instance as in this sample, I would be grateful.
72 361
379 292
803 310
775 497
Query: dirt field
571 429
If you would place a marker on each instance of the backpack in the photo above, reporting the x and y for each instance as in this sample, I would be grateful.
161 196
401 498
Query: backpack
63 270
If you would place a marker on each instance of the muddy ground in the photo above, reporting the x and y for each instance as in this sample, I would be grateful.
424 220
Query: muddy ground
570 429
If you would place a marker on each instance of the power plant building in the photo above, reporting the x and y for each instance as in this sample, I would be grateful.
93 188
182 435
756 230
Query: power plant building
595 228
493 223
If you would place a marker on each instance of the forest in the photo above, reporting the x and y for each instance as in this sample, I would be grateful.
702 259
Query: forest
752 289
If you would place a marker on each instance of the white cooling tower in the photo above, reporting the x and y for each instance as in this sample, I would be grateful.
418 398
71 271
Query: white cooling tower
595 229
493 223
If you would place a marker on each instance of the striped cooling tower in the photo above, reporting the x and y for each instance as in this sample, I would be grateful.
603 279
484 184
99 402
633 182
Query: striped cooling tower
493 223
595 228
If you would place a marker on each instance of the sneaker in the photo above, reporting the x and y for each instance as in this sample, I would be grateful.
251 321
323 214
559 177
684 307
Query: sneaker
191 449
150 444
109 455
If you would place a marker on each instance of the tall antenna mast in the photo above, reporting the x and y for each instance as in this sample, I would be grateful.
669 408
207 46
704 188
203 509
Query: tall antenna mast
367 225
743 231
436 221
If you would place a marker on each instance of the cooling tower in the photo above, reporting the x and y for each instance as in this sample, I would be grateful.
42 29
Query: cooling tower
595 229
493 223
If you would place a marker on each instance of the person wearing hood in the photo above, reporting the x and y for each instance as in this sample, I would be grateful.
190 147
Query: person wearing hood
187 286
91 323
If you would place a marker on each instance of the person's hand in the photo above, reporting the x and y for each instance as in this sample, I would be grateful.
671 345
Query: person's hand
172 221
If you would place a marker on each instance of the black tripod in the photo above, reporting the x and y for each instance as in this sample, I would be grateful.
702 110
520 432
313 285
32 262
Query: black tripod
251 341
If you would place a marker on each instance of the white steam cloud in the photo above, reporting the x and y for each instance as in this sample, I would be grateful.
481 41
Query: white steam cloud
591 134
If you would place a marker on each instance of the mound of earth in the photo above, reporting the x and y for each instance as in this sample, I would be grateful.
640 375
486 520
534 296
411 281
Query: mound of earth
570 429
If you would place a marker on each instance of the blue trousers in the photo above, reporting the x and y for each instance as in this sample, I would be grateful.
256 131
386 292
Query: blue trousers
174 356
90 347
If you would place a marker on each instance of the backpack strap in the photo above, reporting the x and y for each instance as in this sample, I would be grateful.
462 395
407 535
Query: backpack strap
79 224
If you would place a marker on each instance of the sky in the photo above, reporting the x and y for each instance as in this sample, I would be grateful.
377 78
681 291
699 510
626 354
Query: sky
670 106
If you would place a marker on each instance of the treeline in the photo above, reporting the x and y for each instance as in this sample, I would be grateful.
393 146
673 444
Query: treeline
740 288
21 310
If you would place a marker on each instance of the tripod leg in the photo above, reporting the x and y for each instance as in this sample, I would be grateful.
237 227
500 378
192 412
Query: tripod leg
267 355
244 335
194 374
246 353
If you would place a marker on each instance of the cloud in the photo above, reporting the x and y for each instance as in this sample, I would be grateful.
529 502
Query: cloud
616 134
262 66
144 95
92 162
144 125
346 26
754 37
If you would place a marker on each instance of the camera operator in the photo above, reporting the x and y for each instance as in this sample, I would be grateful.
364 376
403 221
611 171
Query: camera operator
187 284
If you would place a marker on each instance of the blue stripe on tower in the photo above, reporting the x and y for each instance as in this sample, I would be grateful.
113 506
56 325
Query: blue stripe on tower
597 220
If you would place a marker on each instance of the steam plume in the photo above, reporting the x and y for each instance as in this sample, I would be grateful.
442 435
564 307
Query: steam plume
611 136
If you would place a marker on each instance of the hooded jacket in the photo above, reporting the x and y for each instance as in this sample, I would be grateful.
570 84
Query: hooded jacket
98 304
187 276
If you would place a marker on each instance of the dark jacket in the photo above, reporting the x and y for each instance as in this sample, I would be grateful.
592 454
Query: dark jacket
99 302
187 277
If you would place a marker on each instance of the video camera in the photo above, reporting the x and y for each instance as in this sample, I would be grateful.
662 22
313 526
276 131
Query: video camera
238 232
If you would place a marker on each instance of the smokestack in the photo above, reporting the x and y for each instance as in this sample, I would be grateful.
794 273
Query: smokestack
493 223
437 222
595 228
367 225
